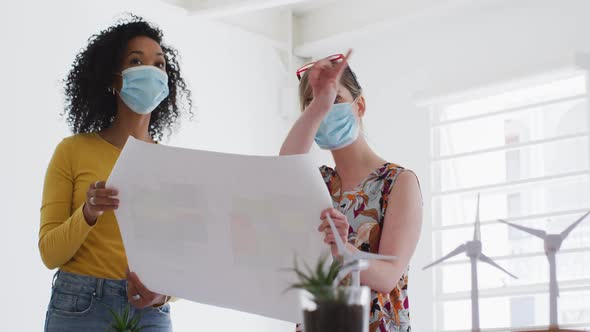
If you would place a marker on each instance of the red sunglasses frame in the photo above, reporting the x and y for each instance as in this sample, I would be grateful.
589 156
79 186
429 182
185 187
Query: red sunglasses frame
307 66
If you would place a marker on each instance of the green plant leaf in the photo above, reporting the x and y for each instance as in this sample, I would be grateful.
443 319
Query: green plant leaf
319 281
125 322
319 269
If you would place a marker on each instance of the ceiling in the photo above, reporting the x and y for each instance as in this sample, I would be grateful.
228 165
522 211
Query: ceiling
225 7
307 28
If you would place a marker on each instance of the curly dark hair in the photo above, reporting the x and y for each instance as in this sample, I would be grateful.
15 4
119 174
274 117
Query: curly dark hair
89 105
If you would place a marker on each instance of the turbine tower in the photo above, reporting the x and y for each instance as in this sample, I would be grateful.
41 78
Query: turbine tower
552 245
473 250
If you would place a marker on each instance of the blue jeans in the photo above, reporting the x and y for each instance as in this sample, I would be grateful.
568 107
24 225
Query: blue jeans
82 303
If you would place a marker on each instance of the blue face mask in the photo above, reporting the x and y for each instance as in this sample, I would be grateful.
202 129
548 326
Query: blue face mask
144 88
338 129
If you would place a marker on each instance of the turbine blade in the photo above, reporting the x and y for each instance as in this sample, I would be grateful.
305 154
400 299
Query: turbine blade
341 248
453 253
488 260
535 232
568 230
477 229
477 211
371 256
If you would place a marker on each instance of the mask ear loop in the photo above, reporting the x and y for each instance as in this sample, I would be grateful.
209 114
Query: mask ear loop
361 126
112 89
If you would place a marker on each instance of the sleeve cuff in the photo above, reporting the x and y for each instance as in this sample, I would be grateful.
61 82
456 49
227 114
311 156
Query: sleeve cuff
79 219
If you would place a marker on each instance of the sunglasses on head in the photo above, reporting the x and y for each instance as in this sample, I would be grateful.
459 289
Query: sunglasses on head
306 67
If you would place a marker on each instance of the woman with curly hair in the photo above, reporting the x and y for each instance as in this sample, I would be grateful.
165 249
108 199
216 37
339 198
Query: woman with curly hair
124 83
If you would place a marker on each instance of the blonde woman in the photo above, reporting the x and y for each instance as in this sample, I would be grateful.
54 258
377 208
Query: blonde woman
377 204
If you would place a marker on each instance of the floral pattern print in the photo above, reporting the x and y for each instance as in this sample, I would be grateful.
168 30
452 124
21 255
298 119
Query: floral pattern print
364 207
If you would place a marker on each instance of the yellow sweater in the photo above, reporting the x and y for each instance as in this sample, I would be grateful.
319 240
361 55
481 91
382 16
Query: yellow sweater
66 241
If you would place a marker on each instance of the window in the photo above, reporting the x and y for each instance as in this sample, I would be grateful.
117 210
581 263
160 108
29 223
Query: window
526 150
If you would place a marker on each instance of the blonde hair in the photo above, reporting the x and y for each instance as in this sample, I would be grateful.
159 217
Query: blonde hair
348 80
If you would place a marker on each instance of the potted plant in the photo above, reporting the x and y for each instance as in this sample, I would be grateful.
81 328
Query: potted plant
327 305
124 321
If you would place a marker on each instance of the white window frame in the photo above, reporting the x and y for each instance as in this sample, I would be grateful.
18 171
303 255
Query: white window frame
434 105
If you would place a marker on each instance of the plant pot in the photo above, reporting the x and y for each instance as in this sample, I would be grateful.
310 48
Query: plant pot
342 309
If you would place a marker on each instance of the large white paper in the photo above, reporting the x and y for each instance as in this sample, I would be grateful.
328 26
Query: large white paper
219 229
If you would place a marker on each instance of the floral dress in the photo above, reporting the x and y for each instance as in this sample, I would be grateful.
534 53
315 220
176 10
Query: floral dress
364 207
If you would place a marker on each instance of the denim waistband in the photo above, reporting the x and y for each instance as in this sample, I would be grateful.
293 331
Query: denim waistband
99 287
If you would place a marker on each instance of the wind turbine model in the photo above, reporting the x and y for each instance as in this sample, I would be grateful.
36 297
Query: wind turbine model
552 245
474 252
353 262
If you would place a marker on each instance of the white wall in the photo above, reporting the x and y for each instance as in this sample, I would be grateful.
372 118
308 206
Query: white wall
236 82
501 40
